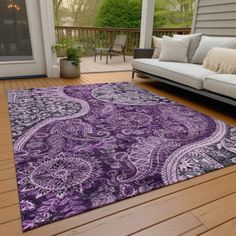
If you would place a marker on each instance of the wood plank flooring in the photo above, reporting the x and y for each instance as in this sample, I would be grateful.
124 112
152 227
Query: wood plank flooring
204 205
115 64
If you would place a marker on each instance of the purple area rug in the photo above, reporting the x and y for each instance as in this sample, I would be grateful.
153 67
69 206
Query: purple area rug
82 147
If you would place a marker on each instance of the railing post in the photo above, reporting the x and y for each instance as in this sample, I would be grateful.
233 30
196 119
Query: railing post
147 23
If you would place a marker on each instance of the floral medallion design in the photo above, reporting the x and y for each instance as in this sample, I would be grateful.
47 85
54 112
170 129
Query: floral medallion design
82 147
60 174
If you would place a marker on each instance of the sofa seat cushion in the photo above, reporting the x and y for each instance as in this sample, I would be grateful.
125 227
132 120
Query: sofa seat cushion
223 84
184 73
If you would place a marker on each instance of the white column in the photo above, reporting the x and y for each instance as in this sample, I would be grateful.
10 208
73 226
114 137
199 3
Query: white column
48 28
148 8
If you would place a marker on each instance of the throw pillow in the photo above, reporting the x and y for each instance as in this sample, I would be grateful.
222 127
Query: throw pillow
157 45
174 49
221 60
207 43
194 43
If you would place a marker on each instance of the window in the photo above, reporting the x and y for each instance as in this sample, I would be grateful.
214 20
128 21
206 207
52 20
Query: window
15 44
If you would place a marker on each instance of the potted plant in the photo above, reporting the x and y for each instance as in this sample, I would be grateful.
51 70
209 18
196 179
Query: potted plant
69 65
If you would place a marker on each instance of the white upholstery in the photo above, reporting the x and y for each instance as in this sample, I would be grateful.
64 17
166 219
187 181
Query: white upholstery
223 84
174 49
157 44
221 60
194 43
188 74
207 43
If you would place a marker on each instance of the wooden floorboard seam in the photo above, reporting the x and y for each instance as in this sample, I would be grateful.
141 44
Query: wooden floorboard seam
13 190
7 168
189 211
143 203
5 159
9 221
7 179
10 205
233 218
87 223
141 230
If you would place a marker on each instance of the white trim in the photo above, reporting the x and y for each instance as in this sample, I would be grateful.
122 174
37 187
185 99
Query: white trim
38 67
17 62
148 7
195 16
48 29
29 16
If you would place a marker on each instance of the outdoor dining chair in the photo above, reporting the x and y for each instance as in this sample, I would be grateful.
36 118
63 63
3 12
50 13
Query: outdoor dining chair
117 47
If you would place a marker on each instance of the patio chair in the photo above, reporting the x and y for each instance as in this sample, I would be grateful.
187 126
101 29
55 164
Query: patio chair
117 47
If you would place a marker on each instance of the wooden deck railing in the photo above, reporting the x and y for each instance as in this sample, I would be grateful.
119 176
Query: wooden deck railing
91 37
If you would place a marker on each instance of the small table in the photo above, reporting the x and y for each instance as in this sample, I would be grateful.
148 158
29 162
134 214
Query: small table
100 52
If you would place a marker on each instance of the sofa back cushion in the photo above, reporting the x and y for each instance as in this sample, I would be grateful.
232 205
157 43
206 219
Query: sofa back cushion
174 49
207 43
157 42
194 43
221 60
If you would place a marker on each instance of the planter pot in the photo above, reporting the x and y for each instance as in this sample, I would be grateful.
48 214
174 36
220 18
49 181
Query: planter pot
68 70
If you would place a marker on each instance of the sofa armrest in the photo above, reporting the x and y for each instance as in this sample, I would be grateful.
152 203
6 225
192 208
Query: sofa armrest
143 52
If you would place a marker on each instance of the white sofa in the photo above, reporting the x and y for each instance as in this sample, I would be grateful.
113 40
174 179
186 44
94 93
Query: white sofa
188 76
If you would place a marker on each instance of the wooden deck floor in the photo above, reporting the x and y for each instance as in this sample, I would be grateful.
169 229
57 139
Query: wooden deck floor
204 205
115 64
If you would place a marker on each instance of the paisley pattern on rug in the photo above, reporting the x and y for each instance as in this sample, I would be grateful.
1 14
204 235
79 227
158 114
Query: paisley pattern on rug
82 147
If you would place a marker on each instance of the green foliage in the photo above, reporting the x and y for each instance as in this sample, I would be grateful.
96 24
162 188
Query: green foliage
127 13
73 55
173 13
119 13
75 12
74 50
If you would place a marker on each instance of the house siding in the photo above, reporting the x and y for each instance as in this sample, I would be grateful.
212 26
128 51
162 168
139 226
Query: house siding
215 17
